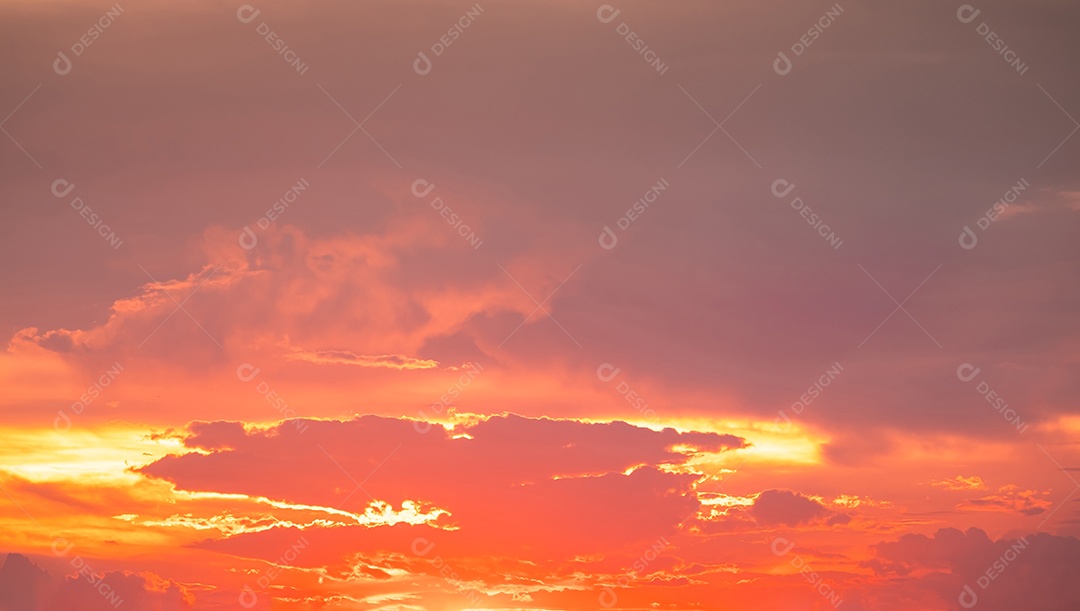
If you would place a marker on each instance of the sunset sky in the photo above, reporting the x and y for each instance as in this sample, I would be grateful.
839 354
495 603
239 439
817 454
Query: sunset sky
539 305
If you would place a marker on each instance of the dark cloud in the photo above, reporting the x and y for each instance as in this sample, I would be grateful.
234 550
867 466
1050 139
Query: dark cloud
788 508
26 587
964 569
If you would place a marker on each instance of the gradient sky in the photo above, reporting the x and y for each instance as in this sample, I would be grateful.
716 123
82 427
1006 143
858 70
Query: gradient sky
432 305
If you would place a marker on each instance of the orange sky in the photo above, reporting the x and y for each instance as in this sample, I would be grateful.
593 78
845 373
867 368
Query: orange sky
433 305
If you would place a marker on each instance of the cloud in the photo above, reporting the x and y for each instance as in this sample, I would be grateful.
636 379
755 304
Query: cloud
291 288
788 508
1010 499
960 483
581 487
26 587
1036 571
345 357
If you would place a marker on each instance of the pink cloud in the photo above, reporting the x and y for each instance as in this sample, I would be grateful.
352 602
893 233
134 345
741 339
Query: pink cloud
583 487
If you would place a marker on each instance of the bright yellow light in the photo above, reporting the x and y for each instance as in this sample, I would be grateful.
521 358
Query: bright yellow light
85 456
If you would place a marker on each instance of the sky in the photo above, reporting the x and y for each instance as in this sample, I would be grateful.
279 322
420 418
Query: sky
545 305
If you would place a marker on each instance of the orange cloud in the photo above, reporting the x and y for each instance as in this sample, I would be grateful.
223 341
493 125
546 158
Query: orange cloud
961 483
1010 499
